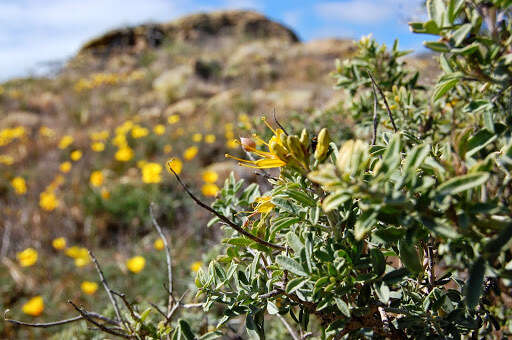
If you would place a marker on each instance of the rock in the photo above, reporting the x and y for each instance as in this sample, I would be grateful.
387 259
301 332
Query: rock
197 27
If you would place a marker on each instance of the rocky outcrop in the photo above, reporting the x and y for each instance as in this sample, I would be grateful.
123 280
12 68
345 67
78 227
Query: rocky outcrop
244 24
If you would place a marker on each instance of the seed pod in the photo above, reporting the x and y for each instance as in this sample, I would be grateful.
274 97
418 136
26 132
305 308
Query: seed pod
295 147
322 146
304 139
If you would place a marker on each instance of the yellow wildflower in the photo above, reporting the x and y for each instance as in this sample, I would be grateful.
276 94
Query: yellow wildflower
34 306
27 257
65 142
167 148
159 129
139 132
19 185
88 287
273 158
48 201
151 173
264 205
76 252
232 144
105 194
175 164
46 132
173 119
210 189
210 138
76 155
59 243
136 264
197 137
65 167
99 136
159 244
124 154
196 266
190 153
96 178
98 146
82 261
210 176
120 141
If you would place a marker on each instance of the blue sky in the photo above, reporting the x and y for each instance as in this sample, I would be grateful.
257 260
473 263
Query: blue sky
33 32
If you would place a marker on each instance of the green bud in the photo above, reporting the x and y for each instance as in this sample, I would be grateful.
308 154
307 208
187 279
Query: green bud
278 150
352 157
283 139
304 139
295 147
322 146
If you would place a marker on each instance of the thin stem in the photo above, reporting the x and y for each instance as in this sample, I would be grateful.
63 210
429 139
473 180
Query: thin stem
224 218
288 327
385 100
279 124
375 116
168 257
59 322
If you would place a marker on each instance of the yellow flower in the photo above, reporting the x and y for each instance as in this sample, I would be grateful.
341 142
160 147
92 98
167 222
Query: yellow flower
99 136
175 164
167 148
210 176
34 306
98 146
105 194
232 144
19 185
65 142
120 141
48 201
210 138
197 137
264 205
76 252
124 154
46 132
139 132
65 167
88 287
173 119
96 178
76 155
27 257
190 153
196 266
59 243
151 173
136 264
159 129
82 261
275 157
159 244
210 189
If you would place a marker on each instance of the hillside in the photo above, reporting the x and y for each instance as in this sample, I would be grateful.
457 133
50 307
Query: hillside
89 141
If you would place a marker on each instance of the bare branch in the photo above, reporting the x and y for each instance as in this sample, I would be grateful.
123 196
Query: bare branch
279 124
99 325
288 327
224 218
375 116
385 100
59 322
168 257
127 304
107 288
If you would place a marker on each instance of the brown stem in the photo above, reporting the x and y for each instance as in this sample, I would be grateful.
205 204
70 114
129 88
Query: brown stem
385 100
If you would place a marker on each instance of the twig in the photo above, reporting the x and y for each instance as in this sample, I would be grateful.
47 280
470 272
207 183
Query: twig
375 116
385 100
127 304
288 327
224 218
59 322
107 288
270 294
99 325
279 124
158 309
384 318
175 308
167 256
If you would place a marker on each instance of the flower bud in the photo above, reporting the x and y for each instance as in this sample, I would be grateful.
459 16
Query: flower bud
322 146
278 150
248 144
304 139
295 147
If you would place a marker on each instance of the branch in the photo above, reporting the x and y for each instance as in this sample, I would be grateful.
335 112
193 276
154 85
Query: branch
385 100
288 327
59 322
224 218
107 288
279 124
167 256
99 325
375 116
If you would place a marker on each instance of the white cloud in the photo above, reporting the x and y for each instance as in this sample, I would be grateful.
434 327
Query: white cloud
36 31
